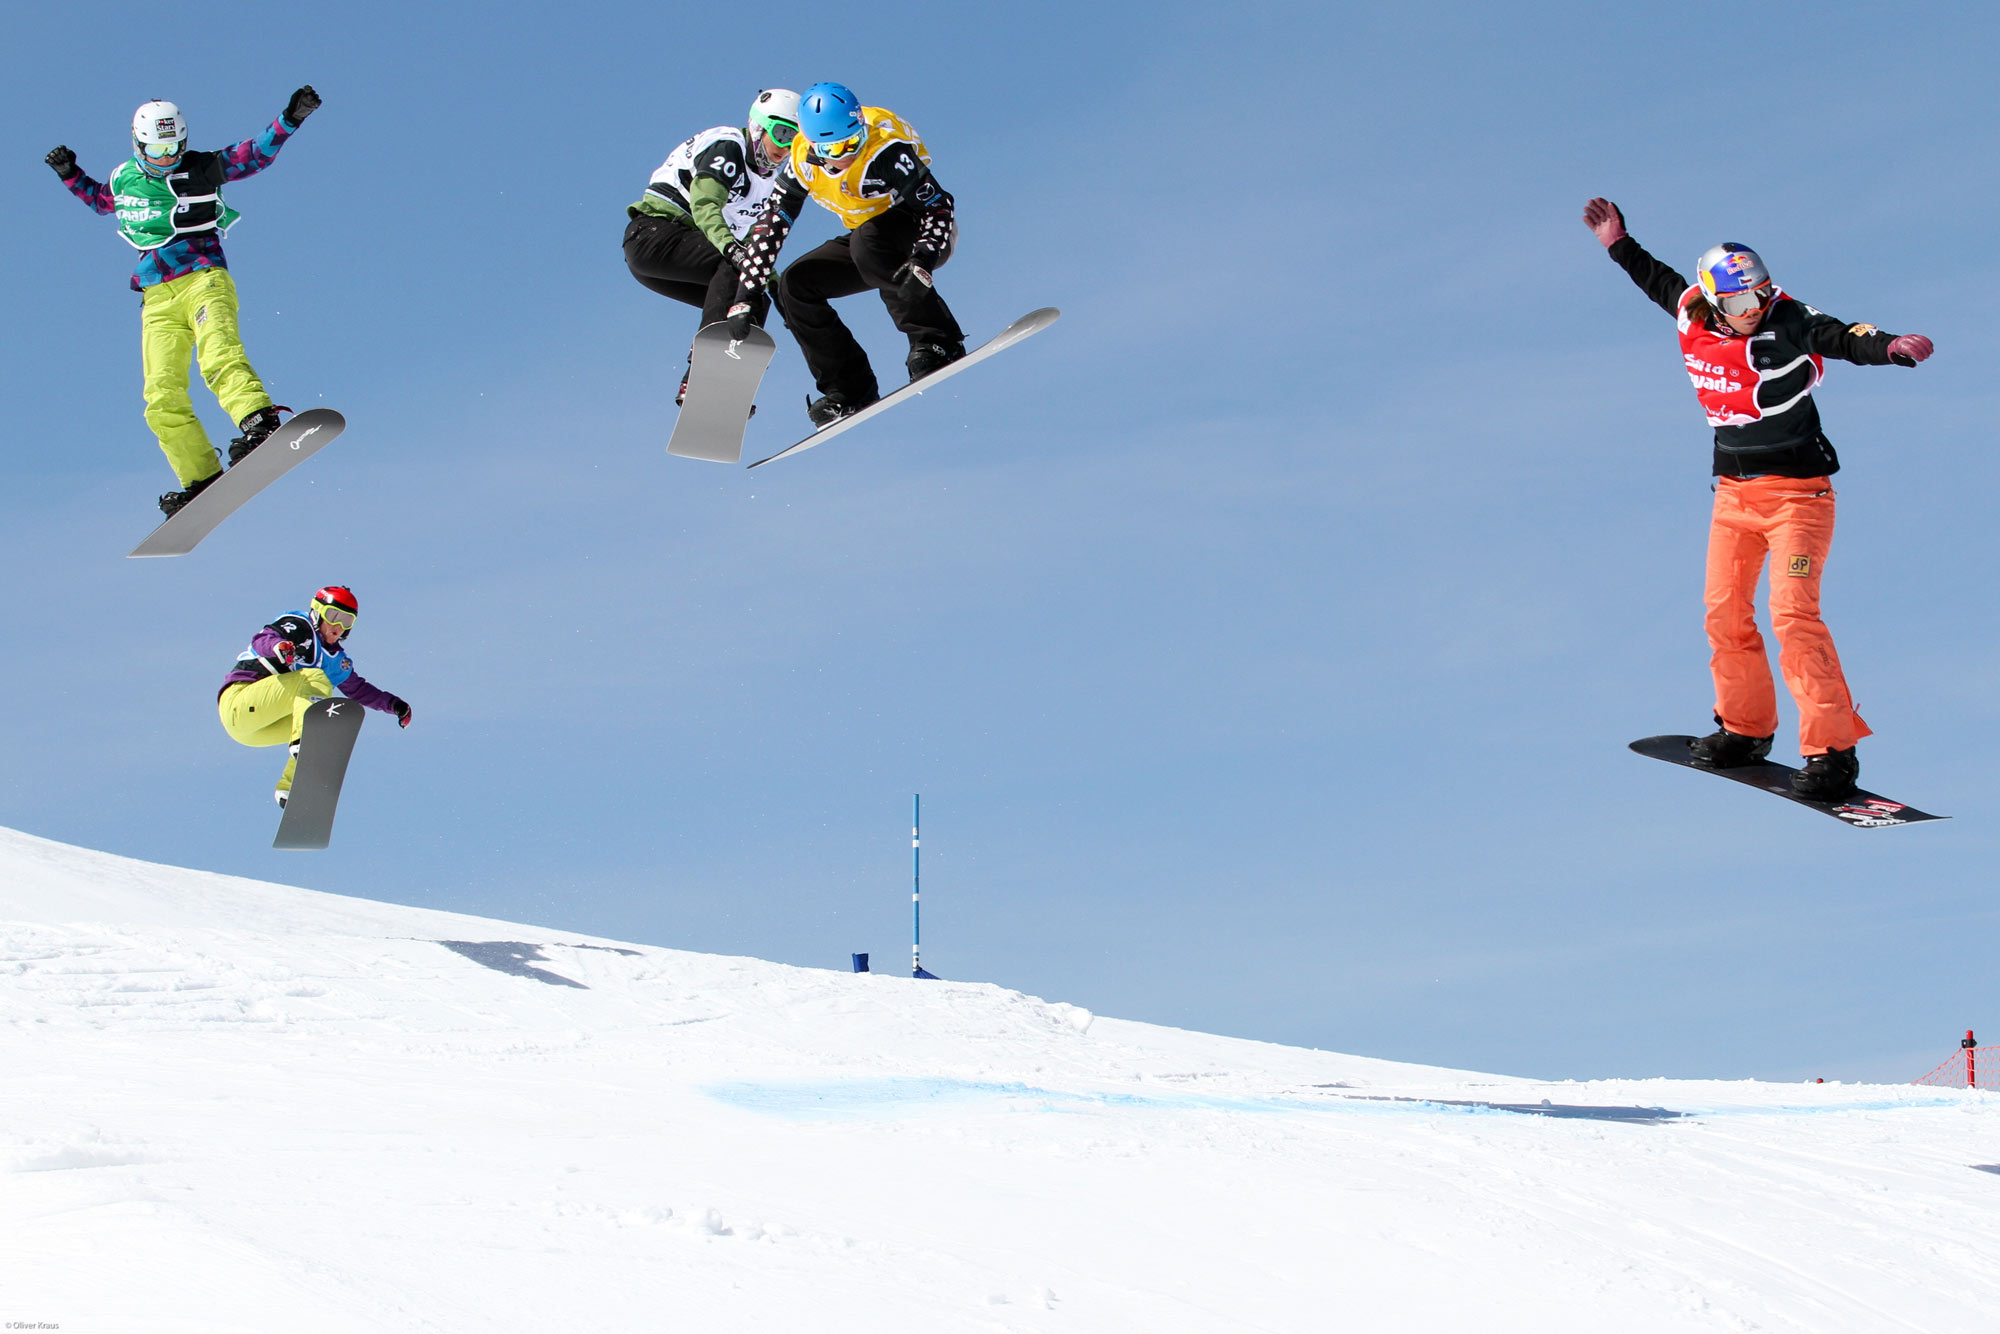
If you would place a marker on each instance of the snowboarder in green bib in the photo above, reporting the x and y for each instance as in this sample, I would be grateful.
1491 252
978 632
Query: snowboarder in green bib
168 202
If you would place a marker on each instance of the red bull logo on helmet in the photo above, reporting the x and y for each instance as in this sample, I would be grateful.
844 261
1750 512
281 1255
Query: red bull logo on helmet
1729 268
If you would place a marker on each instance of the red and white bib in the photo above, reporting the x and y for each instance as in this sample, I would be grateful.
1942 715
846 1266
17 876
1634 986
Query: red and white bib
1726 369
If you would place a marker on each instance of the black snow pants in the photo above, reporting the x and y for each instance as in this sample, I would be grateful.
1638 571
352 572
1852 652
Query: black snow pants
866 257
675 259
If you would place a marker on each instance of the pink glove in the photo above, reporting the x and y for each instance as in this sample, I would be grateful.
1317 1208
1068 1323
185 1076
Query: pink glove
1605 221
1909 349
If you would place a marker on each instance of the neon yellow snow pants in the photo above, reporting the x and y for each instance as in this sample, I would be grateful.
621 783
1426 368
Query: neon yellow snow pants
272 712
194 315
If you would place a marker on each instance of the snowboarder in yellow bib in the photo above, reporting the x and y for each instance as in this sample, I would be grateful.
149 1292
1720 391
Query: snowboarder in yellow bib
870 167
168 202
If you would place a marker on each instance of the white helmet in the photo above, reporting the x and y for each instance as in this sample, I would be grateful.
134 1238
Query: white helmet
159 132
776 109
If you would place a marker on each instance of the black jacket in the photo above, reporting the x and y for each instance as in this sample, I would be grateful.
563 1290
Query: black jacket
1790 444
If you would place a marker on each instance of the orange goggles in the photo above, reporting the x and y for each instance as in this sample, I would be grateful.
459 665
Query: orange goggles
847 147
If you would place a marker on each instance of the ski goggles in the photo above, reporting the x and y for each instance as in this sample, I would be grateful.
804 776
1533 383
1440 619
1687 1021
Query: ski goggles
780 132
339 618
1745 303
847 147
163 152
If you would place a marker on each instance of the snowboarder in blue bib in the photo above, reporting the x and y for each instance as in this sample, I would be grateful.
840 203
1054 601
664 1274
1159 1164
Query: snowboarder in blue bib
168 202
298 658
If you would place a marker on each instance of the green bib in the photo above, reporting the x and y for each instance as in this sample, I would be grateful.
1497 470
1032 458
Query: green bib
152 212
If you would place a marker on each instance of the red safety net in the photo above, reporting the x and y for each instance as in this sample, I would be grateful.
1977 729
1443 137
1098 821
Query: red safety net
1969 1067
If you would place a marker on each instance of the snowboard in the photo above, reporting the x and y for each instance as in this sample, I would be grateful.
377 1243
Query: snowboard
722 387
1860 808
1031 323
324 746
284 449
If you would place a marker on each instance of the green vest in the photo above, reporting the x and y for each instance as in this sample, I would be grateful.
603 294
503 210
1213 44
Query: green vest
153 211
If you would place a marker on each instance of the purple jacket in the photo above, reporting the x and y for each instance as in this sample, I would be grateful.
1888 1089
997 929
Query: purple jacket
261 660
203 250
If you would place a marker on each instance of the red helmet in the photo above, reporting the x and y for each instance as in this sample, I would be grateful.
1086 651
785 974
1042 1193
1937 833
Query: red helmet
335 604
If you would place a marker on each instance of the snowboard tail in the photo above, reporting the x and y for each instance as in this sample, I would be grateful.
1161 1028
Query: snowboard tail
325 744
1861 808
1028 325
723 375
284 449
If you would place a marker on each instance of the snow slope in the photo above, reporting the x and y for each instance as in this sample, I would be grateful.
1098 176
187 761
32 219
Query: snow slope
237 1106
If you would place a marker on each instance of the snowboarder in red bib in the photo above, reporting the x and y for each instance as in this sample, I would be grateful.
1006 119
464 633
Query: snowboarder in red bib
168 201
1755 356
297 659
870 168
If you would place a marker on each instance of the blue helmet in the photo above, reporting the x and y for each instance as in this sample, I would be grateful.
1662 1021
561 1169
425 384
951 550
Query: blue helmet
829 114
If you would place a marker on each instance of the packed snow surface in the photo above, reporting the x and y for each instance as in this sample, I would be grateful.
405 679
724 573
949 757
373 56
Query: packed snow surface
239 1106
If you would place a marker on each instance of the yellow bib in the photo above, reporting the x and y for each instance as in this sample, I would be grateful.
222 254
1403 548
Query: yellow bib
843 191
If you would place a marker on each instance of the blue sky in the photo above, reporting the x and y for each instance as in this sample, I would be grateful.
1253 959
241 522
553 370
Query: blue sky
1264 637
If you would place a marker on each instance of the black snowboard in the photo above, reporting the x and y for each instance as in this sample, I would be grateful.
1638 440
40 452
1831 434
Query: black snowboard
286 448
722 386
324 746
1032 323
1860 808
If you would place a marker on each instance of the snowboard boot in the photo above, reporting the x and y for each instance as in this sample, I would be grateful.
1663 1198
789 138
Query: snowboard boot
1724 749
927 358
830 408
172 501
1828 776
285 779
256 428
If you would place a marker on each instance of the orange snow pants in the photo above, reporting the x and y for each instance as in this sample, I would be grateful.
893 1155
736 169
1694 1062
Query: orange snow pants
1791 520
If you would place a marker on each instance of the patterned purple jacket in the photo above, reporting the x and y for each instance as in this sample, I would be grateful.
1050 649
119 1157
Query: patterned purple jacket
203 250
256 662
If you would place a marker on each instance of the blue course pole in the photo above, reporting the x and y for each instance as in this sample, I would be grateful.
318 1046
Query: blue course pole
916 889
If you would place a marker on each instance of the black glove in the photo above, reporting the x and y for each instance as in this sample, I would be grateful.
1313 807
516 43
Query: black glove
402 714
304 102
62 160
741 316
912 280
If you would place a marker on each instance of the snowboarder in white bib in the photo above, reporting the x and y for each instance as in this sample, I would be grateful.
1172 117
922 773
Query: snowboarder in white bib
687 230
168 202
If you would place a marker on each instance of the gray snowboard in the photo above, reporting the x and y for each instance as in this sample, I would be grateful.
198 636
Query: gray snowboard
1861 808
1031 323
722 387
287 447
324 746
